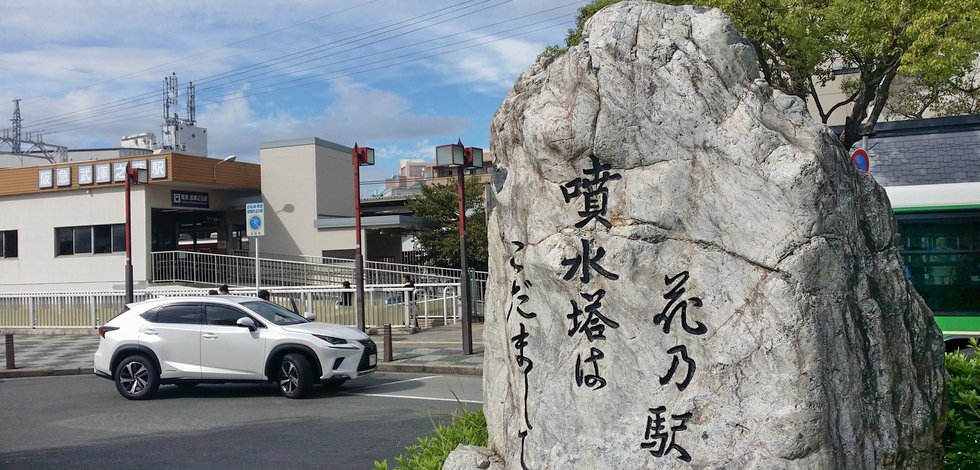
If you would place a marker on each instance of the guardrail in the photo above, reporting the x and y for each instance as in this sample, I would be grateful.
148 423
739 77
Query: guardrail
214 269
430 304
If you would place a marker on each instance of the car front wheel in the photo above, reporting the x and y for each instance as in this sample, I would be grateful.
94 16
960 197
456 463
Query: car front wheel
295 376
137 378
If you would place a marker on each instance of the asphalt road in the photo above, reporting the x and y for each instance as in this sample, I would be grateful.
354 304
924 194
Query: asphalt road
81 422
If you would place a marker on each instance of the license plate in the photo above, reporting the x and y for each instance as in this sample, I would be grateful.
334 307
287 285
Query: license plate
373 360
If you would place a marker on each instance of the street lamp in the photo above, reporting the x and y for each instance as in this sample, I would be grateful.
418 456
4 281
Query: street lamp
360 156
214 169
459 157
133 176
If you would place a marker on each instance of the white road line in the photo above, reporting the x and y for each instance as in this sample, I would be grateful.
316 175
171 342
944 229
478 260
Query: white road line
395 382
412 397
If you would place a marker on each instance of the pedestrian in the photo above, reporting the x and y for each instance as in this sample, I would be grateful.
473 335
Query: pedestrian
345 297
212 292
223 290
264 295
410 298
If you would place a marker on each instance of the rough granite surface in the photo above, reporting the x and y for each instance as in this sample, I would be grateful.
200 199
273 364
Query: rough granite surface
685 267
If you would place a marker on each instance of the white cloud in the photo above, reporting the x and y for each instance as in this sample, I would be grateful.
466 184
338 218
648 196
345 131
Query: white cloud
103 53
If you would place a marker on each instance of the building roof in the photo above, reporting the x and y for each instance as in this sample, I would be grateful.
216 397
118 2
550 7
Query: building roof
926 151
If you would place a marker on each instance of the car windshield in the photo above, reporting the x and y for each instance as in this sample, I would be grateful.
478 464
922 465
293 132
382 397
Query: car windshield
273 312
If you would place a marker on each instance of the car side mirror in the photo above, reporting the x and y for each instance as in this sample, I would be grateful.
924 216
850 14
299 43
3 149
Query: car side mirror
309 316
246 322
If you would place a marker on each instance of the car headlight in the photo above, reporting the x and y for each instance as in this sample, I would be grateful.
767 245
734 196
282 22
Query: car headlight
332 339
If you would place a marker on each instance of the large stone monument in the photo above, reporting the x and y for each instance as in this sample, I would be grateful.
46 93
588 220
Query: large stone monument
687 271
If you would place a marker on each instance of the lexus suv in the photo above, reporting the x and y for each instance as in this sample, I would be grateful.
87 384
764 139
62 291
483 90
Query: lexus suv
215 339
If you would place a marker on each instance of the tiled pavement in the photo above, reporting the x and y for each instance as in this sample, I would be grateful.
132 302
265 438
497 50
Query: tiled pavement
434 350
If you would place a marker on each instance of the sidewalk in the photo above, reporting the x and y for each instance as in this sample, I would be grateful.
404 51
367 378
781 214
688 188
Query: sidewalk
435 350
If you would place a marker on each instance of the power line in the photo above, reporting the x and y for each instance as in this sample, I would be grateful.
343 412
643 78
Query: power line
133 106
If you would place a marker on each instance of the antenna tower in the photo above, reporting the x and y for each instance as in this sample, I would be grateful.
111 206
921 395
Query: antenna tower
191 106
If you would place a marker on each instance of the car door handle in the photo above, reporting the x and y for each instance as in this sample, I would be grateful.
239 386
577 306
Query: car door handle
150 332
209 336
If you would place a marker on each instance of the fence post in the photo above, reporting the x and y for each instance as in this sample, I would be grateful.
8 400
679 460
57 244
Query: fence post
389 356
408 314
31 321
9 339
95 319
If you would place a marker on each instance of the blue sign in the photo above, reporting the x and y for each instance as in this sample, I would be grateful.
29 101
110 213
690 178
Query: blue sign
255 219
861 160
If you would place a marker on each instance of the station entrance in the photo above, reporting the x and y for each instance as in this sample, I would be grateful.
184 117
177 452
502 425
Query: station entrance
196 230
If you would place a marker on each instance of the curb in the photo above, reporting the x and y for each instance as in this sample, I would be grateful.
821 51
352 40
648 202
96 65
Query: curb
47 372
430 368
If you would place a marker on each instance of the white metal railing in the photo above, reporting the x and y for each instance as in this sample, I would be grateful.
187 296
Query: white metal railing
213 270
429 305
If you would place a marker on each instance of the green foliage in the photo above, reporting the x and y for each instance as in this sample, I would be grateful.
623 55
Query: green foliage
962 436
801 42
469 428
440 203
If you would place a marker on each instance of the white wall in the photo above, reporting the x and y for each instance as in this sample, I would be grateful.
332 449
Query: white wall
301 180
35 218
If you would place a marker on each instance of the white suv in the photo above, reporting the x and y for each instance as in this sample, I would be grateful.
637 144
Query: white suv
190 340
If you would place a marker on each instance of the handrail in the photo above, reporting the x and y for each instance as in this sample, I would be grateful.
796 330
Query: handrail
90 309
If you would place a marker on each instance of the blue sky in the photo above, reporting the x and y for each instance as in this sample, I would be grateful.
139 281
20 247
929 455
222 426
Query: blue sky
401 76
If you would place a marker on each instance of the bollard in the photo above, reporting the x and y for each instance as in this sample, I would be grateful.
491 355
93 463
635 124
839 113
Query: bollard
9 339
388 352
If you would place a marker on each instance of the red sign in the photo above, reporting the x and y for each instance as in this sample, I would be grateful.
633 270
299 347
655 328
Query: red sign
861 160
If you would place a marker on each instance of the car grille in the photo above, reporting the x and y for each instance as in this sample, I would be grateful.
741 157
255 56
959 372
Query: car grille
369 349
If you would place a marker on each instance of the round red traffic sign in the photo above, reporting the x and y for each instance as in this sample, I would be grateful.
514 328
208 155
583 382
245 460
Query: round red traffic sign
861 160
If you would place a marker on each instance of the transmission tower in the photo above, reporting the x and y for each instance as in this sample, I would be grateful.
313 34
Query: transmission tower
15 125
36 148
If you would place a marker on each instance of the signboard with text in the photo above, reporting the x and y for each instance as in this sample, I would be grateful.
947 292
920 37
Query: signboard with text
255 219
190 199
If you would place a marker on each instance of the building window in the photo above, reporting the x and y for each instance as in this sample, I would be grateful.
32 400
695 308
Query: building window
8 244
942 258
90 239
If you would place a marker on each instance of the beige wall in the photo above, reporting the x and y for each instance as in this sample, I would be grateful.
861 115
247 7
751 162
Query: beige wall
35 217
302 180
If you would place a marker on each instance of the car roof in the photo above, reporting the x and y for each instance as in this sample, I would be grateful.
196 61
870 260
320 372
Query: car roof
194 298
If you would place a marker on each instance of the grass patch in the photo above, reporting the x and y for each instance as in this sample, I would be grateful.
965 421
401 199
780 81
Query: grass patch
962 436
467 427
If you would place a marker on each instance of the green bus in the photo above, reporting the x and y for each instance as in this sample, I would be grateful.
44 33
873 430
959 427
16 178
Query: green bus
941 250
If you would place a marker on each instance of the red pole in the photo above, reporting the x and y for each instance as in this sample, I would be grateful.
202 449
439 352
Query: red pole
129 238
358 258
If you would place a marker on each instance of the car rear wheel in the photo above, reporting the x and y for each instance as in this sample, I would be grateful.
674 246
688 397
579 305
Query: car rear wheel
137 378
295 376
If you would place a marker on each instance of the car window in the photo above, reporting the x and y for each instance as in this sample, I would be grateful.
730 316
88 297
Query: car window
222 315
180 313
273 312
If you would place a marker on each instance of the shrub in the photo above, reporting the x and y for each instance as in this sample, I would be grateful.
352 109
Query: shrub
962 436
467 427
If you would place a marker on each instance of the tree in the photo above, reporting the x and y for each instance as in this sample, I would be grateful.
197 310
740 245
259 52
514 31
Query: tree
801 43
440 203
956 97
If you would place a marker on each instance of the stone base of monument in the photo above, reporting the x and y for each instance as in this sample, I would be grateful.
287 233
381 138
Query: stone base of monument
473 458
